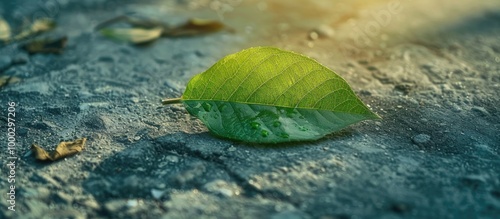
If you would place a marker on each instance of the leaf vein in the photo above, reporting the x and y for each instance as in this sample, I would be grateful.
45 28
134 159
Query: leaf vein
212 75
319 85
300 79
277 75
227 79
249 73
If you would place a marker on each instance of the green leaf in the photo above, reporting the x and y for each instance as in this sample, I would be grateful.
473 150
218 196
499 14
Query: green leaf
268 95
133 35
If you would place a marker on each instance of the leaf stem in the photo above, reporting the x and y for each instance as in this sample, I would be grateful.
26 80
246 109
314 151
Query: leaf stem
171 101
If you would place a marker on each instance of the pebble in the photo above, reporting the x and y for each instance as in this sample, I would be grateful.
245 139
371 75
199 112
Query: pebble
421 138
115 205
221 187
455 108
177 108
324 31
404 88
313 35
157 194
132 203
172 158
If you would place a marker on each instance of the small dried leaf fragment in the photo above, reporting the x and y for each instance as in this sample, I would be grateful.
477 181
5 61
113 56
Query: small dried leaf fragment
4 30
6 80
38 26
133 35
134 22
64 149
46 45
195 26
147 30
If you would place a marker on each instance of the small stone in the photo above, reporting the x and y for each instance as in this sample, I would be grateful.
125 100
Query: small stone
313 35
221 187
404 88
231 149
421 138
176 108
172 158
455 108
157 194
115 205
324 31
132 203
365 93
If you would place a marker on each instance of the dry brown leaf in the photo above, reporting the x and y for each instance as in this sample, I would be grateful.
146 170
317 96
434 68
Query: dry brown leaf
5 80
195 27
145 30
38 26
134 22
133 35
46 45
63 149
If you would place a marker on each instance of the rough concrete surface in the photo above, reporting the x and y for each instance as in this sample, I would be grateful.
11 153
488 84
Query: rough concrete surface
430 69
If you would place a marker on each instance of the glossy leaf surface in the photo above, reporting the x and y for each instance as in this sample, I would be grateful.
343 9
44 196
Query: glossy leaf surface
268 95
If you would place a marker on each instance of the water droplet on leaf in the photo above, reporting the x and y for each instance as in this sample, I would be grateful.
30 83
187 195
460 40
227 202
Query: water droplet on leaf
206 106
255 125
277 124
264 133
